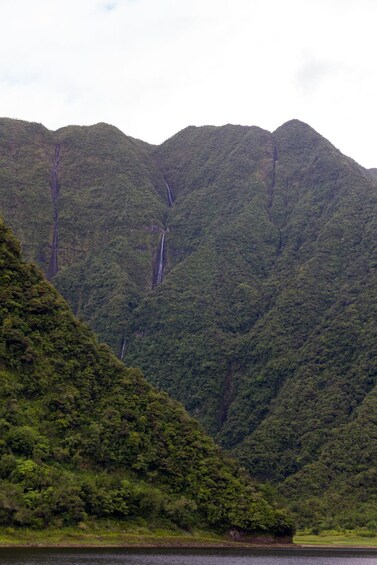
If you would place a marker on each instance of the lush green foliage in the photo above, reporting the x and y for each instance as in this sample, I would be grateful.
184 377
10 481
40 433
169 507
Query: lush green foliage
266 329
110 211
265 323
82 435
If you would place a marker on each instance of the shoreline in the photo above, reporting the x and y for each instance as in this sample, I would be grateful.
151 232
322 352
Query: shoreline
150 545
116 536
239 546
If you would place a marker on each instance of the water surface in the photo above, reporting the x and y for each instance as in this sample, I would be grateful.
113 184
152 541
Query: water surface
96 556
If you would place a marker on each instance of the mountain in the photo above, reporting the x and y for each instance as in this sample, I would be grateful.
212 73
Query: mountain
237 268
63 193
83 436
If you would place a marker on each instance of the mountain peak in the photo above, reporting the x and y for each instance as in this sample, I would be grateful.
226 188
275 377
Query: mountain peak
297 128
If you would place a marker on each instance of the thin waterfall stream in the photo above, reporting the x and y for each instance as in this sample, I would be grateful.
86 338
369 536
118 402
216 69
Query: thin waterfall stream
170 194
158 270
54 188
161 255
123 349
271 188
158 275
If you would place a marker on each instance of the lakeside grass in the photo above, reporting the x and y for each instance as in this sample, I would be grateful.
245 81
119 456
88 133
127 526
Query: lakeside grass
359 538
109 535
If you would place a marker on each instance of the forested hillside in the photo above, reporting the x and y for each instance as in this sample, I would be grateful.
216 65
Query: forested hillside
86 205
237 268
83 436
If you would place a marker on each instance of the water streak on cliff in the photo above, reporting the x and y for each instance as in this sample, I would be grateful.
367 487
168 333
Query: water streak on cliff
123 349
271 188
161 257
54 188
170 194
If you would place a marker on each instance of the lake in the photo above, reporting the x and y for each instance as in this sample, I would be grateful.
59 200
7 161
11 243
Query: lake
96 556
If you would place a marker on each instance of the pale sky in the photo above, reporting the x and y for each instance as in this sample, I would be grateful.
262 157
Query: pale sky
153 67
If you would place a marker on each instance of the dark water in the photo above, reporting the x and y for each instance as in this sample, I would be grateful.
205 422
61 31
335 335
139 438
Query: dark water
39 556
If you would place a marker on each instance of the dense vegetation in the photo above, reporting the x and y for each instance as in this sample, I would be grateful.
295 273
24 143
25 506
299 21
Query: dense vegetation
267 328
265 323
81 435
107 237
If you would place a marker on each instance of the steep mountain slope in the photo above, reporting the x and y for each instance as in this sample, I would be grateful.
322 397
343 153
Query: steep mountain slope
221 244
266 329
83 435
264 320
87 205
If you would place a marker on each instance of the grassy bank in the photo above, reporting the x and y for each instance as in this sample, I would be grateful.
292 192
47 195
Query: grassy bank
102 537
357 538
110 535
116 534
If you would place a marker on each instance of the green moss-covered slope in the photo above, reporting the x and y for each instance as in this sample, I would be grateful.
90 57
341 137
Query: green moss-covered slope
81 435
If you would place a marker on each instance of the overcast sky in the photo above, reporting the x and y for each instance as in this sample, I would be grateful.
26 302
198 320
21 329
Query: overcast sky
153 67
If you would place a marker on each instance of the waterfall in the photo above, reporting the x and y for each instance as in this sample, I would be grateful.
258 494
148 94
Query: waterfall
54 188
123 348
275 160
271 187
160 270
159 261
170 194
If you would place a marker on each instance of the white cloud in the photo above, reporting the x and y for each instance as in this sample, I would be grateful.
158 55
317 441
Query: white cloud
152 67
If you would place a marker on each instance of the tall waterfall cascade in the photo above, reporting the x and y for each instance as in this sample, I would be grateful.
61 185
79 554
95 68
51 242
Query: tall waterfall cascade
160 269
170 194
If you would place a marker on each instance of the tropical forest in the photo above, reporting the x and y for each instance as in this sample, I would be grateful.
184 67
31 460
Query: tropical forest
188 331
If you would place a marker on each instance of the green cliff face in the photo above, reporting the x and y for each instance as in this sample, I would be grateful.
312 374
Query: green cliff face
82 435
106 214
264 323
